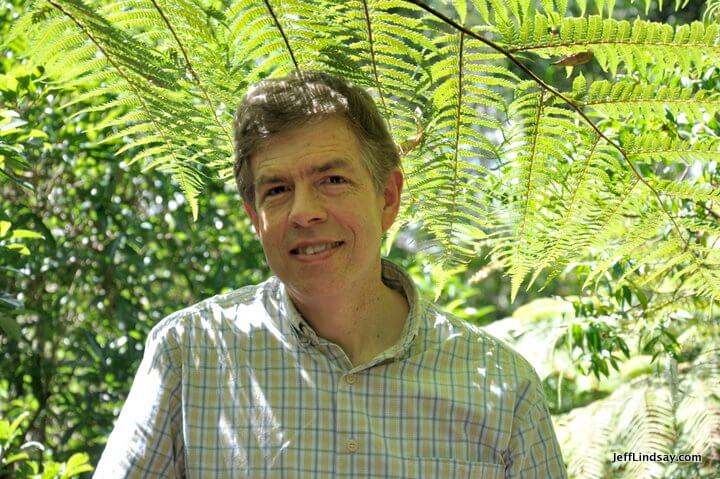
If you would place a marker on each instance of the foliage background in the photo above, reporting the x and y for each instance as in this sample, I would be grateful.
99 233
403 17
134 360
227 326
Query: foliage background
95 249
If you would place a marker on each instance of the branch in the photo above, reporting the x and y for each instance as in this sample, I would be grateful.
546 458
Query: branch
556 93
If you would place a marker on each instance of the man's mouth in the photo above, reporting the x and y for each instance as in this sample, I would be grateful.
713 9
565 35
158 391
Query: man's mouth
310 250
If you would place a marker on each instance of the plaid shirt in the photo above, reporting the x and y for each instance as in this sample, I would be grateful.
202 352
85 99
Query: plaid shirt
240 386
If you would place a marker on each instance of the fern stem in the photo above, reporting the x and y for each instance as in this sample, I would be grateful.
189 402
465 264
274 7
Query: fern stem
282 32
625 194
582 179
378 85
528 184
565 99
192 70
374 59
458 122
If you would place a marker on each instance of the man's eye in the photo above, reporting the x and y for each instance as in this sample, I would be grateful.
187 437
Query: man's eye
274 191
339 179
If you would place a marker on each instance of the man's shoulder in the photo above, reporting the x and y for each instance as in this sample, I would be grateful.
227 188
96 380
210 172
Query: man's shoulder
213 310
481 346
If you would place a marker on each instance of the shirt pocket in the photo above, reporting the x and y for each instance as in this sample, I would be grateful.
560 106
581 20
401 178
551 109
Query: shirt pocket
433 467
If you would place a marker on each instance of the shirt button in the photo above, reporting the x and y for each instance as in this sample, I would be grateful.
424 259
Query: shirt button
351 445
350 379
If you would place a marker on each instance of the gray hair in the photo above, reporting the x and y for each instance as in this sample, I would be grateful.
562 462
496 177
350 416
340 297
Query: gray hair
278 105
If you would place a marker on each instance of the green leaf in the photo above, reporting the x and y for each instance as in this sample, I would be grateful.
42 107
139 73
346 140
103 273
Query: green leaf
18 420
21 456
23 233
482 8
461 9
583 7
51 470
10 328
77 464
579 86
19 247
35 133
8 83
562 7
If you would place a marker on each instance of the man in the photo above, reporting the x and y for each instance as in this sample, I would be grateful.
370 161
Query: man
334 367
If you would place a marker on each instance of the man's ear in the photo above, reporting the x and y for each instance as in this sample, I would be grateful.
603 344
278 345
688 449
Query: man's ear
392 193
252 214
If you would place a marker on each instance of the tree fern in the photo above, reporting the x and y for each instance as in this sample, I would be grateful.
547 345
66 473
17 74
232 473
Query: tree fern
644 415
542 173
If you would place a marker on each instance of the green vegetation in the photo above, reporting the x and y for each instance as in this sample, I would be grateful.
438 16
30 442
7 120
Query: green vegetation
562 189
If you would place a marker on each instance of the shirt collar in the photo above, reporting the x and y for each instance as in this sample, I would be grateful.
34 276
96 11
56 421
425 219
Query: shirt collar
394 277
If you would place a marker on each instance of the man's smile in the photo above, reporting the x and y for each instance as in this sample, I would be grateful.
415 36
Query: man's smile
317 251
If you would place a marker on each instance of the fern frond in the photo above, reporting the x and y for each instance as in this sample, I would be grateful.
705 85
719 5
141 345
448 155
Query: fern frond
584 206
541 141
468 90
699 410
521 166
686 190
149 85
640 46
653 146
633 240
642 416
702 276
189 16
586 453
624 98
648 425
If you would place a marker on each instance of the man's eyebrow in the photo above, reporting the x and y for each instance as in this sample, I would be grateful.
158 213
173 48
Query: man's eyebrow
337 163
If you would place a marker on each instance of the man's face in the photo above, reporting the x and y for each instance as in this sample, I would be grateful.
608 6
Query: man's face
312 191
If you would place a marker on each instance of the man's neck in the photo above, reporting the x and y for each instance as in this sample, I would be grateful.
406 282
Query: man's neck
363 324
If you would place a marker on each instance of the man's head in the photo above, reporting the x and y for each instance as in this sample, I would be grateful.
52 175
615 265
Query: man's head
320 178
279 105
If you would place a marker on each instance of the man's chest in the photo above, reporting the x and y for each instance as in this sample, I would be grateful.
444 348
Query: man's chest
293 416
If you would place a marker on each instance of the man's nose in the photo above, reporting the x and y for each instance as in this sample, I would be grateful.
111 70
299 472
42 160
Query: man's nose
307 208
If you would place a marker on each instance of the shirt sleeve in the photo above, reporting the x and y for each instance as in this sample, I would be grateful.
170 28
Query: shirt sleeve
533 451
147 440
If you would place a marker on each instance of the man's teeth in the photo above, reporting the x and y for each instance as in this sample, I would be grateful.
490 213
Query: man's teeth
318 249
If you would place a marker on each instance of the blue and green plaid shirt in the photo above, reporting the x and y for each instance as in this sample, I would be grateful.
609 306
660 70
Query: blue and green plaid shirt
240 386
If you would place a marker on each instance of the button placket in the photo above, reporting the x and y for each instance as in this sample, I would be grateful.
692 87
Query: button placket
350 423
